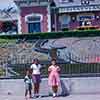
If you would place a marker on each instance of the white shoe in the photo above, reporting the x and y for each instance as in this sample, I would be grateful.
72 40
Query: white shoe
39 96
54 94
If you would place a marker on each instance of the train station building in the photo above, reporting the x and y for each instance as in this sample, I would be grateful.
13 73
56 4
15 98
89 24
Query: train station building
57 15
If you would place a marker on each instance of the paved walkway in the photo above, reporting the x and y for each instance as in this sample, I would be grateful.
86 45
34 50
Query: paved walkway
70 97
78 88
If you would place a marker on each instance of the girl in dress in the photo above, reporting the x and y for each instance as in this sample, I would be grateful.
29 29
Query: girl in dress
54 79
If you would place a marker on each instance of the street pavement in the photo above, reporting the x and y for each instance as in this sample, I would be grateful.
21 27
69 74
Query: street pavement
70 97
87 88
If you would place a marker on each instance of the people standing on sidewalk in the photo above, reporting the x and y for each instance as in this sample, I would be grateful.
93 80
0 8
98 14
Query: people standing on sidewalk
54 78
28 84
36 77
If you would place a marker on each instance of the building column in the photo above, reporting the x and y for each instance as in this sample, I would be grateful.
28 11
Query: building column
55 19
49 17
19 24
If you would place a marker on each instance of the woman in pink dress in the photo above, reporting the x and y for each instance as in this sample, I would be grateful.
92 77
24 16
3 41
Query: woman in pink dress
54 79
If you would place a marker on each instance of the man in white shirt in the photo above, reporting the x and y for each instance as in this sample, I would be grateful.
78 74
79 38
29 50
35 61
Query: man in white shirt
36 78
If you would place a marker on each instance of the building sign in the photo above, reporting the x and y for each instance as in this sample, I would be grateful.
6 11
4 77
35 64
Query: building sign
84 17
80 8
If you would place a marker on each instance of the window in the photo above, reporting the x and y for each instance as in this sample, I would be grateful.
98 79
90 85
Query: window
64 21
33 18
33 22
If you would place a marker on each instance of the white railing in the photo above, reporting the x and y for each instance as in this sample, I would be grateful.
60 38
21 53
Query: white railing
79 8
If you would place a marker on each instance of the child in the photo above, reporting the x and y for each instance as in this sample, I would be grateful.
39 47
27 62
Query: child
36 77
54 79
28 84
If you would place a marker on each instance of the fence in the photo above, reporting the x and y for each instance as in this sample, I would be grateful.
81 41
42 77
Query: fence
67 70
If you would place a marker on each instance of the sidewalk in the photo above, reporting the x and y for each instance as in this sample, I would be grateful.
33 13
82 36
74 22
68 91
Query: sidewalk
78 88
70 97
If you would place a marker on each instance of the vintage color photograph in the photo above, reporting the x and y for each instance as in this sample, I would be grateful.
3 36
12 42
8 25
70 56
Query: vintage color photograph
50 50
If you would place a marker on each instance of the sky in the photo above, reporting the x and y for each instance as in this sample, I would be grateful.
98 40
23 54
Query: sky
6 4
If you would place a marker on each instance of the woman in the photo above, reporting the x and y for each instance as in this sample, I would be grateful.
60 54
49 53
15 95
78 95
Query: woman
36 78
54 79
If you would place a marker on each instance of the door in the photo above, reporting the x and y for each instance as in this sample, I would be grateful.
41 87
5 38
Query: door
34 27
